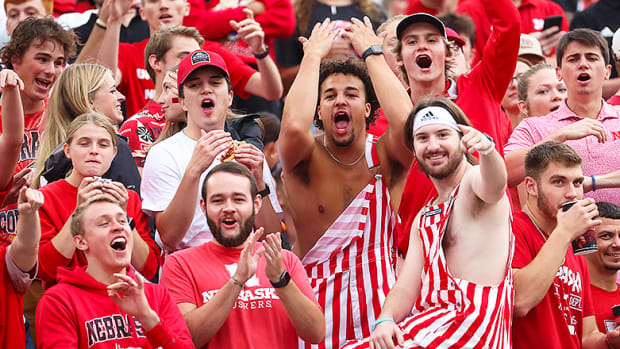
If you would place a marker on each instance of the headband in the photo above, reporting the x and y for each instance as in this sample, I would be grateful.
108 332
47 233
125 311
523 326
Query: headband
434 115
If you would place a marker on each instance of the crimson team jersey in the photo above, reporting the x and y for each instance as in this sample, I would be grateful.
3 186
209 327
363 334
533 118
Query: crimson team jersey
60 202
534 12
142 130
605 300
34 124
258 319
78 313
212 18
560 313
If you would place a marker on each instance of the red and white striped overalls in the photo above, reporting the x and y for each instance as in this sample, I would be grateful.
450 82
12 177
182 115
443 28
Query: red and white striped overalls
352 266
450 312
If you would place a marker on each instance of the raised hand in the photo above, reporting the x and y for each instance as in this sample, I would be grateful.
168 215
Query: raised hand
29 201
21 179
549 39
10 80
250 32
474 140
129 295
361 35
273 256
321 39
248 259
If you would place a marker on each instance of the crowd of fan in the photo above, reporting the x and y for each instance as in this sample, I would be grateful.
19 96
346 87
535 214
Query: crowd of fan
311 174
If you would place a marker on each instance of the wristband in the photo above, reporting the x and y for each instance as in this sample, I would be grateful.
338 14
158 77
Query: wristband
593 183
264 192
488 151
237 282
378 321
264 54
101 24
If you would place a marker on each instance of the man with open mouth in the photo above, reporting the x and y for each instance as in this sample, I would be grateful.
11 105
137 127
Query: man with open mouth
236 292
426 56
347 181
106 303
584 120
175 167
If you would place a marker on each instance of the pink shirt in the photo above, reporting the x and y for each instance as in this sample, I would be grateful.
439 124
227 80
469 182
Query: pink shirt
597 158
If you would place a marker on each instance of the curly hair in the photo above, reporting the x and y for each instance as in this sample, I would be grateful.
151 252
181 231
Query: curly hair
37 30
353 67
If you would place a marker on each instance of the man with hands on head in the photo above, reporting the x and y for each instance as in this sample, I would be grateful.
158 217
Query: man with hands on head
105 304
233 291
175 167
552 284
456 280
350 181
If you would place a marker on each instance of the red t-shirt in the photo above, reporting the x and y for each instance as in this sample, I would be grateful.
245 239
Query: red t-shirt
416 6
142 130
378 127
605 300
479 94
34 124
557 321
278 21
531 12
258 319
60 199
534 12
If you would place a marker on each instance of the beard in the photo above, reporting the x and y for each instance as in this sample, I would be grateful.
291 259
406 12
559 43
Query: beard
344 142
244 230
454 161
543 204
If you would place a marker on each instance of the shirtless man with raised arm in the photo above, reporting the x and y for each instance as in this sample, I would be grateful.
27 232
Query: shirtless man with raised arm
348 182
456 276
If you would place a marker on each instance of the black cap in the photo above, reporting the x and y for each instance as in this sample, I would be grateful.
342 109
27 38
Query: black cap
418 18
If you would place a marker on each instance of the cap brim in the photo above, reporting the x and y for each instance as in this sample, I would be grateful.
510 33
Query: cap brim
419 18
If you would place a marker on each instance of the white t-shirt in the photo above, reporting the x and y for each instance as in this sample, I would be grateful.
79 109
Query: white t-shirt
162 174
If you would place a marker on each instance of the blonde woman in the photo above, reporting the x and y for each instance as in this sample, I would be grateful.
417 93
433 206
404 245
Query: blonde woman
80 89
91 144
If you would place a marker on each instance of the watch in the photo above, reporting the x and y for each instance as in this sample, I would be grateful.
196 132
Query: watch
372 50
284 280
264 192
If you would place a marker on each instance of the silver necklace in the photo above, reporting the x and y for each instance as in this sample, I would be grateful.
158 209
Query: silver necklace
338 161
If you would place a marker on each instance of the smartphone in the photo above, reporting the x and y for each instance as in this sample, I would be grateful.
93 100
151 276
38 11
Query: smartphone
553 21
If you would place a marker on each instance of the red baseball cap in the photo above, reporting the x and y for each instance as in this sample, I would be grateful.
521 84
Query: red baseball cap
454 36
199 59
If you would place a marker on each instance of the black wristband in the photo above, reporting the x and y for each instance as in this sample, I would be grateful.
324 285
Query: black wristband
264 54
264 192
284 280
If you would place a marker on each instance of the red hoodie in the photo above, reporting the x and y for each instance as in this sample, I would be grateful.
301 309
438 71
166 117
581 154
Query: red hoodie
78 313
